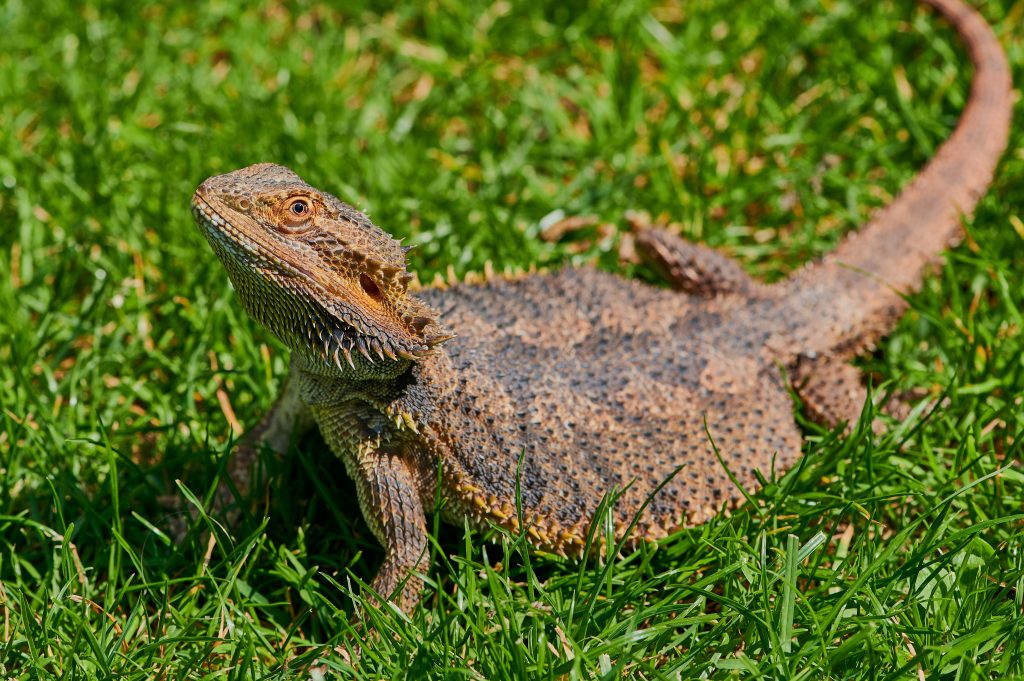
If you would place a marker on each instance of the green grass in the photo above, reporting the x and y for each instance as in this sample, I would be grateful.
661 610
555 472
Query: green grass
768 129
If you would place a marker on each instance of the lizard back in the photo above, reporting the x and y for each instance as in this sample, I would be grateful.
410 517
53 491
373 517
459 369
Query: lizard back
597 384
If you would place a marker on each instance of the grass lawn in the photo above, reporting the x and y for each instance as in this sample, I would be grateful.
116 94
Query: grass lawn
768 129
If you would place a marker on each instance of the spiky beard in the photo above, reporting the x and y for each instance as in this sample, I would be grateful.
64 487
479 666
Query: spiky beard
328 335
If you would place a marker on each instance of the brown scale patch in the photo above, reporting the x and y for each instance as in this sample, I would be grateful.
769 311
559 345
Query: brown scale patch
644 397
620 409
729 375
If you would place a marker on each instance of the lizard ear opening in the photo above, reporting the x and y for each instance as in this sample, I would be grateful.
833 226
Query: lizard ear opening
369 287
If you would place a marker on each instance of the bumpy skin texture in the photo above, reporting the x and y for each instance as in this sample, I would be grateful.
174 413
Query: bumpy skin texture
581 381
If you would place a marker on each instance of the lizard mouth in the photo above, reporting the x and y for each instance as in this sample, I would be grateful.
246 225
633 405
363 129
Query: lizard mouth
306 309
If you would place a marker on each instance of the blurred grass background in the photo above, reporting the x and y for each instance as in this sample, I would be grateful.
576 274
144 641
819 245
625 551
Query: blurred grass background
767 129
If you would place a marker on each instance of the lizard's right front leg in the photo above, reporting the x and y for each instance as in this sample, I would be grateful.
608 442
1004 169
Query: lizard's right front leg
287 418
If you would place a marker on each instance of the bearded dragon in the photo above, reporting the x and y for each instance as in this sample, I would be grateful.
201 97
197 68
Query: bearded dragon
534 396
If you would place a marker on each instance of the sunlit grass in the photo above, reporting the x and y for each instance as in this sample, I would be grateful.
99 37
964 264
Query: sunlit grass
765 129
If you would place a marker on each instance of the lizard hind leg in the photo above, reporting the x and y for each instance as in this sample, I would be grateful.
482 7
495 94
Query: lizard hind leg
689 267
833 393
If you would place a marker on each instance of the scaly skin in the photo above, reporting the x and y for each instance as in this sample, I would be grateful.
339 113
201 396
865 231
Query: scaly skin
595 383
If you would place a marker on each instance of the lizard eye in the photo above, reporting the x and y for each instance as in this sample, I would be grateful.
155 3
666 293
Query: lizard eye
297 212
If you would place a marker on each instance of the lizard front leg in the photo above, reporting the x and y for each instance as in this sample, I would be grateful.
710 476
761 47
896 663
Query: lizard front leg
391 505
289 417
389 493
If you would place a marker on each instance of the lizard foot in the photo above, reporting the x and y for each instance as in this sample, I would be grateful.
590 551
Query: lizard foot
688 267
833 393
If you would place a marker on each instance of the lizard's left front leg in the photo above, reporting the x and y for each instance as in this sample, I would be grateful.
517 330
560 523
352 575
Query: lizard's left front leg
389 495
391 504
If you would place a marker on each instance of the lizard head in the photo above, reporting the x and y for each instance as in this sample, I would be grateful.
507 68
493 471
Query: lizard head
315 271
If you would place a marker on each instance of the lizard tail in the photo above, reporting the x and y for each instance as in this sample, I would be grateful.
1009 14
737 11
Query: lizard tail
863 281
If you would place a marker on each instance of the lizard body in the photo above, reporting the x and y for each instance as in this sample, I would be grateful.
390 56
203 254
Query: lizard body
567 386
